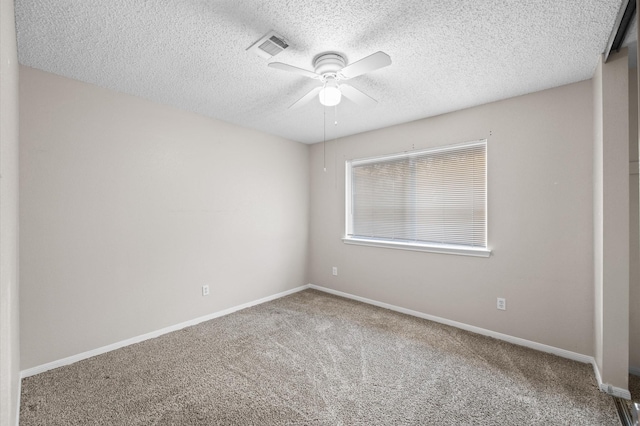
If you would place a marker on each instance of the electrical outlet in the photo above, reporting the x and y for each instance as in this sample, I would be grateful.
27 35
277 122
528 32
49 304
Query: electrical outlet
335 270
205 290
502 304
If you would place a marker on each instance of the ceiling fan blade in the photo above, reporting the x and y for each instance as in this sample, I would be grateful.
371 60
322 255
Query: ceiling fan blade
291 68
357 96
370 63
306 98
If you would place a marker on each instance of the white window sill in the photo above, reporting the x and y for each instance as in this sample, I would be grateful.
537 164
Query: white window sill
433 248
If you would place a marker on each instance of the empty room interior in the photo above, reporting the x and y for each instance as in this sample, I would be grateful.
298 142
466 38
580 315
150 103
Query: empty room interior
294 212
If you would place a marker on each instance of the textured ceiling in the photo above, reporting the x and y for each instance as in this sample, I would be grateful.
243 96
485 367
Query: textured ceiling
447 54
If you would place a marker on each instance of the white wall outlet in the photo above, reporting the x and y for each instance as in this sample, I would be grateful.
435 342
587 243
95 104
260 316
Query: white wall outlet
205 290
334 271
502 304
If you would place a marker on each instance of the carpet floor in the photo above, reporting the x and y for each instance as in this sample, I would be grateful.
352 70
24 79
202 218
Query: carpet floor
317 359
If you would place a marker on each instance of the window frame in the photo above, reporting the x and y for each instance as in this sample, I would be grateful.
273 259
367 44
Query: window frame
455 249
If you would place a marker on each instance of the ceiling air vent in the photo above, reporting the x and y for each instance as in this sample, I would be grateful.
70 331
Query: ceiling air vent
269 45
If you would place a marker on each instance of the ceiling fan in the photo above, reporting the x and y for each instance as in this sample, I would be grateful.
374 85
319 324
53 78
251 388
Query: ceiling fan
330 68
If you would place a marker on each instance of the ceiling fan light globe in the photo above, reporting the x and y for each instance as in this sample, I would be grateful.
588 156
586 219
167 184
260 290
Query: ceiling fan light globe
330 96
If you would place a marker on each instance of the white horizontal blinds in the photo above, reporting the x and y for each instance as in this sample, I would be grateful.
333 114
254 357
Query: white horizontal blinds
437 196
380 193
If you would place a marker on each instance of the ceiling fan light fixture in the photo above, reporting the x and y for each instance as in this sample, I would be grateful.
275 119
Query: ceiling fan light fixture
330 67
330 95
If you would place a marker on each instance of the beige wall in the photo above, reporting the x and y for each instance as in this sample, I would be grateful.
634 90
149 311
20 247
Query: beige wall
540 222
9 305
598 200
611 210
129 207
634 227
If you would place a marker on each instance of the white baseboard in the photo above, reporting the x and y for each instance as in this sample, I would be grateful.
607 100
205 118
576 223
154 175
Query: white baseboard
604 387
104 349
607 388
612 390
505 337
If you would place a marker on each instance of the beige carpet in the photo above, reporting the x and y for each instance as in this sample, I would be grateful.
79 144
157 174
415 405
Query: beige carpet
634 387
315 359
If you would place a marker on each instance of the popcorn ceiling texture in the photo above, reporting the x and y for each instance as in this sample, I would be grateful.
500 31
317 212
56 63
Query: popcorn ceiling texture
447 55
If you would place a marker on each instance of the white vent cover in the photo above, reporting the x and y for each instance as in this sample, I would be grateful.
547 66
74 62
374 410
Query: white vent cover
269 45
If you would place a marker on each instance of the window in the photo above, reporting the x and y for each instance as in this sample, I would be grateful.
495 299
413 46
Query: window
431 200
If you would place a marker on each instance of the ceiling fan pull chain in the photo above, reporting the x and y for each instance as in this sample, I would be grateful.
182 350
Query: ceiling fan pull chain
335 145
324 136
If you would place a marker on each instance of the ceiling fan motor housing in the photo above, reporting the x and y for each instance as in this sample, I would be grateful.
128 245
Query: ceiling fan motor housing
328 65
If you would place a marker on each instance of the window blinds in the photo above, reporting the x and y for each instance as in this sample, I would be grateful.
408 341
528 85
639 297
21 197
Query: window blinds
437 196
